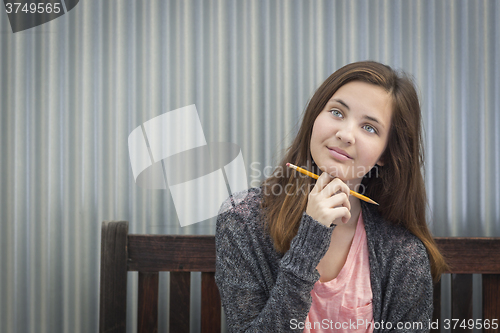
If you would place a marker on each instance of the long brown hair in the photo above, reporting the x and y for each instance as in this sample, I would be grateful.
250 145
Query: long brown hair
398 186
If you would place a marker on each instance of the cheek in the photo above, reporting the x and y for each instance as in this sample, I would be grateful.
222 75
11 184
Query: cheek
316 139
372 153
315 133
318 129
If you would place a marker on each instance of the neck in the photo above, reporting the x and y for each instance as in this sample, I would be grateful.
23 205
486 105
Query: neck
354 184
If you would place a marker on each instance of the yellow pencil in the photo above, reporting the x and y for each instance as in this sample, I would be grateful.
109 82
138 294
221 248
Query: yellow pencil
315 176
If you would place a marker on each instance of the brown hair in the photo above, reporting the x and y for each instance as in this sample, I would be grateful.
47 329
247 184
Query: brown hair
398 186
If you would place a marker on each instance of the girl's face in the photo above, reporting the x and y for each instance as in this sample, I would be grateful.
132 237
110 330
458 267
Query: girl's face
350 134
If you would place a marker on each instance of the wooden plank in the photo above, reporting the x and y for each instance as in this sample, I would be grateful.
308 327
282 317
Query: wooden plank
461 299
471 255
436 315
180 283
210 304
113 288
171 253
147 318
491 300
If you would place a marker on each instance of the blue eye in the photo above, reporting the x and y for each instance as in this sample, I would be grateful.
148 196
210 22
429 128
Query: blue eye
370 128
337 113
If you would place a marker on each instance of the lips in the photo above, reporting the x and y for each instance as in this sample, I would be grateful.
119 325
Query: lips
337 151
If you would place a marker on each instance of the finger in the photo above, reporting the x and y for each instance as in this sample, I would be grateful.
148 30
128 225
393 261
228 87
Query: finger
323 180
339 200
340 213
346 218
335 186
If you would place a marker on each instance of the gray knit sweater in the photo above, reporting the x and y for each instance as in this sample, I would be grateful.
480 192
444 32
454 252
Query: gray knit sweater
265 291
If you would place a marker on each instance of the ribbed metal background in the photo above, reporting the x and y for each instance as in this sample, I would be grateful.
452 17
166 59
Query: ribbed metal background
73 89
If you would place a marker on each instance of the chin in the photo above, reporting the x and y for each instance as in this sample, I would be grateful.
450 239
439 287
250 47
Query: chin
335 172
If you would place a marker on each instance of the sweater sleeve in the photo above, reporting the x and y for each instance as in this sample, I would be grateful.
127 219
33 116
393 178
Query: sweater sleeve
251 304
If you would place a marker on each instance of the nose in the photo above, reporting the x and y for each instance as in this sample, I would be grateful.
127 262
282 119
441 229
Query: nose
345 135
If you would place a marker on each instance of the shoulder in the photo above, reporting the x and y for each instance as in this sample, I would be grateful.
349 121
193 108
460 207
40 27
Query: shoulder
240 230
240 211
243 204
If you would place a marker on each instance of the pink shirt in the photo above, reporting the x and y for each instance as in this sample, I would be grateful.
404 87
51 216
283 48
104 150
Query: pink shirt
344 304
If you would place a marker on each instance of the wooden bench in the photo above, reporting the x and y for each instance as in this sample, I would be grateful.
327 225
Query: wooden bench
467 256
180 255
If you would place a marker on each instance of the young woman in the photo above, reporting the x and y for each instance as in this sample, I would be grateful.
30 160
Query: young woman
299 254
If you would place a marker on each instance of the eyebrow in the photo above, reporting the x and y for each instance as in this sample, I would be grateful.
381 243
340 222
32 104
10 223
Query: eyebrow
338 100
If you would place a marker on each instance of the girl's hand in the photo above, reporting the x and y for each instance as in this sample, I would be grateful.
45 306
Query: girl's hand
329 200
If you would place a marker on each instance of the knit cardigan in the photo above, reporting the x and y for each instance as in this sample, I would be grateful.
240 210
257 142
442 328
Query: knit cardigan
263 290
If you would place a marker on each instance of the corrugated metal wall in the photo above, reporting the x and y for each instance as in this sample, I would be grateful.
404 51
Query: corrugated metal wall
73 89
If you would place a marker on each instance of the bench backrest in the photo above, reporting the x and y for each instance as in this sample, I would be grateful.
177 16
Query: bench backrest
181 255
